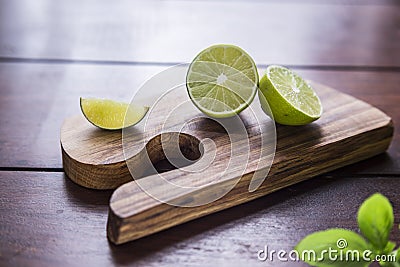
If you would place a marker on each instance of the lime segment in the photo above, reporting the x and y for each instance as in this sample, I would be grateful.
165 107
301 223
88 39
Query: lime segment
291 100
111 115
222 80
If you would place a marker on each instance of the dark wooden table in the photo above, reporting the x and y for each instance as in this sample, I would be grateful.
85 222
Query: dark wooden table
52 52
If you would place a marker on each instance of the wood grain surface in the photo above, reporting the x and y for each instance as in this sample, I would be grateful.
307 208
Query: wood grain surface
51 53
299 33
336 140
52 93
97 159
47 220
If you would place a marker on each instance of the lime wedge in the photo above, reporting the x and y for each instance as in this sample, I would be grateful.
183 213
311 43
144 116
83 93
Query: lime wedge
110 115
222 80
291 99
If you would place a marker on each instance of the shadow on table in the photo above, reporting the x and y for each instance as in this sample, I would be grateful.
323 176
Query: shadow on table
81 195
138 250
382 164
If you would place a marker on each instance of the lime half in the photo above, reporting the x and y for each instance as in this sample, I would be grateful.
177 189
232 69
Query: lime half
291 99
222 80
111 115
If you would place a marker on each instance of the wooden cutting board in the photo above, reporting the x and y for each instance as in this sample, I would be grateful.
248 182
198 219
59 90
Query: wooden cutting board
349 131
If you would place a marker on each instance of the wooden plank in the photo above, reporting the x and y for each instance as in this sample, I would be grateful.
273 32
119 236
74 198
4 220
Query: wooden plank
46 220
294 33
30 138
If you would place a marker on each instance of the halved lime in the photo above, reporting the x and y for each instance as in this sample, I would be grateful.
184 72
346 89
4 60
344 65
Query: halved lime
291 99
111 115
222 80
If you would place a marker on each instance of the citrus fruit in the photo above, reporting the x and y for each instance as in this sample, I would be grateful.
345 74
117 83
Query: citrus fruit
222 80
291 100
111 115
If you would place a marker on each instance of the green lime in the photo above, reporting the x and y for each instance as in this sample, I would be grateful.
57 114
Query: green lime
111 115
291 99
222 80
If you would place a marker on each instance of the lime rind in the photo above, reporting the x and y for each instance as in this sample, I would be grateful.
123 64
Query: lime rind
291 99
288 90
222 74
111 115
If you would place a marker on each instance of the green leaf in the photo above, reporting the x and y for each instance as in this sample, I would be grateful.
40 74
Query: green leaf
375 219
389 247
389 264
392 264
334 247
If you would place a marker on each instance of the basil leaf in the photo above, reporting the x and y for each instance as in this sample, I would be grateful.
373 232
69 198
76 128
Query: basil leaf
397 253
375 219
389 247
334 247
389 263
